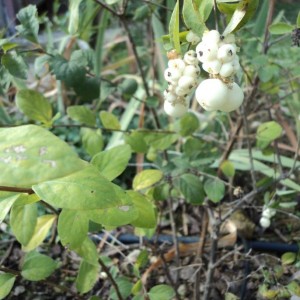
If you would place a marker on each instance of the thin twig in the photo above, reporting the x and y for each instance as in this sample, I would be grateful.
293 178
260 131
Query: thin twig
168 275
174 230
112 280
215 228
252 171
16 189
216 15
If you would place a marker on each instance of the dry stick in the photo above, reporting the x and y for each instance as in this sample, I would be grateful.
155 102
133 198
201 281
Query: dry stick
199 254
16 189
174 232
112 280
167 272
213 251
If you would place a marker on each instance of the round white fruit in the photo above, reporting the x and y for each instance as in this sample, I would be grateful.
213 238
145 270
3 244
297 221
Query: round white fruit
177 64
265 222
227 70
186 82
211 94
191 70
212 67
226 53
169 96
206 52
175 110
190 57
235 98
212 36
172 74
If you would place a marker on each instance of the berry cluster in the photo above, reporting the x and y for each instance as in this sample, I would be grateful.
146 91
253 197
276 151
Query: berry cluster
267 214
219 58
182 76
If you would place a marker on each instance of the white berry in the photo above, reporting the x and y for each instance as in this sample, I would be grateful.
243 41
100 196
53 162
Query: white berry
169 96
175 110
212 36
206 52
172 74
191 70
226 53
265 222
177 63
212 67
190 57
235 97
211 94
226 70
186 82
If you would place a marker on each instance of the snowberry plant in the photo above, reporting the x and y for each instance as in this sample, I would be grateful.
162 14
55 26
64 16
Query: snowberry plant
215 52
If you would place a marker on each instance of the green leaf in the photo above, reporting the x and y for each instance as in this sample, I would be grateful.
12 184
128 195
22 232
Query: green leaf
205 8
142 259
192 188
41 230
214 189
136 142
266 133
15 65
87 277
72 71
161 292
73 16
298 20
88 251
37 266
137 288
146 213
121 214
192 17
109 120
227 168
160 141
230 296
111 163
23 219
266 73
82 114
92 140
294 288
29 27
111 2
288 258
280 28
34 105
27 161
72 227
83 190
125 287
189 123
243 13
174 28
146 179
141 13
9 46
6 283
7 199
